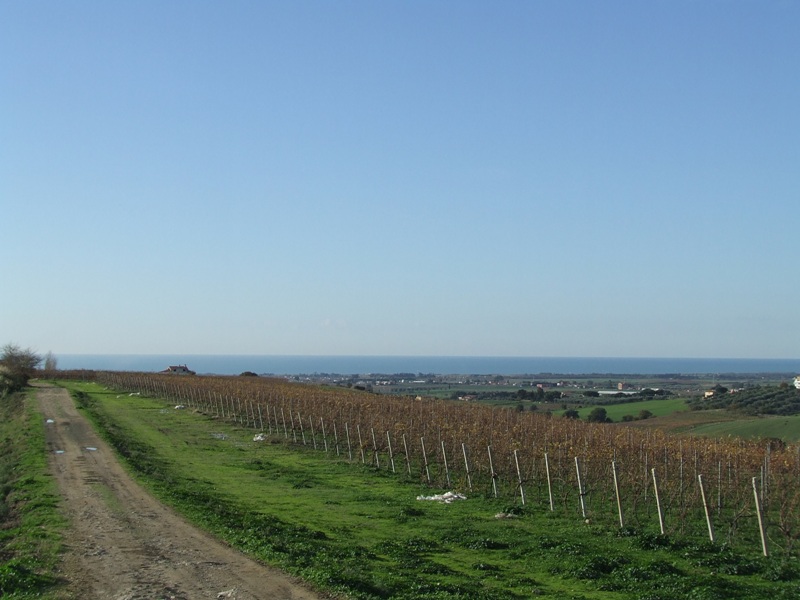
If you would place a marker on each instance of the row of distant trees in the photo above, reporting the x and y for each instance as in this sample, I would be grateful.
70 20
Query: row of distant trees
18 365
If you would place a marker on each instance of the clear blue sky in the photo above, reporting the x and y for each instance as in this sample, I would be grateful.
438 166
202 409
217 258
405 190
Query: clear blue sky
410 178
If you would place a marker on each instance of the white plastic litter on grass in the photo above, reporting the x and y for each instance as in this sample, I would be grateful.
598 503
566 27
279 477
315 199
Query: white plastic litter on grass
447 497
49 421
260 437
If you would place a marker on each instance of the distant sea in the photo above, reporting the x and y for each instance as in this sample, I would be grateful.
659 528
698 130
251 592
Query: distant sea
464 365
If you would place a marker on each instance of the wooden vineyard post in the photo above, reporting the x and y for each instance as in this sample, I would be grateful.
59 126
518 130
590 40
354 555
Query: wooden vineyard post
361 444
408 459
466 465
260 419
760 516
519 478
349 447
313 434
275 414
705 507
336 438
549 483
425 459
391 453
324 437
491 471
446 468
283 419
294 429
581 493
658 502
302 429
616 491
375 448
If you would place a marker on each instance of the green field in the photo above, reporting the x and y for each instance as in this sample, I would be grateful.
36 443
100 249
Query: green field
615 412
785 428
359 531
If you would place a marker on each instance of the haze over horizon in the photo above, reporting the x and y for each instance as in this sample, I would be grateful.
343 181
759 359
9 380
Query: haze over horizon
545 178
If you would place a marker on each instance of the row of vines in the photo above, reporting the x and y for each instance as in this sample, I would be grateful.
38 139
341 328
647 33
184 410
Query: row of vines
726 490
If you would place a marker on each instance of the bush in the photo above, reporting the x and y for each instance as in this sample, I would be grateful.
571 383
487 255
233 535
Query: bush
17 366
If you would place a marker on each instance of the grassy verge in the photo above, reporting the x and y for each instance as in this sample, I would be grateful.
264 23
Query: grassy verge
30 524
359 532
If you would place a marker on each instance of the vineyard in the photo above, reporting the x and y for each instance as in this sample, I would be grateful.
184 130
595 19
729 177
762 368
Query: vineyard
726 490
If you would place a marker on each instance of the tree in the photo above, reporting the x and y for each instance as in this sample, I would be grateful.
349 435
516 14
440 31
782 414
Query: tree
17 365
50 362
644 414
571 414
598 415
591 394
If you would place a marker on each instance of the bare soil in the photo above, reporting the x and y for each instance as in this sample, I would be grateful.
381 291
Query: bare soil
125 545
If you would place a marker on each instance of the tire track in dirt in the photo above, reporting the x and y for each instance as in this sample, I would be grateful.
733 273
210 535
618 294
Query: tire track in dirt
125 545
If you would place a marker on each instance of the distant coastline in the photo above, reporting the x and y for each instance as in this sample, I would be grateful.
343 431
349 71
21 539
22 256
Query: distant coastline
228 364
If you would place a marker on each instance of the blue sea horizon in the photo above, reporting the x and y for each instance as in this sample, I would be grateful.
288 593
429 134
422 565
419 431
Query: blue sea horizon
231 364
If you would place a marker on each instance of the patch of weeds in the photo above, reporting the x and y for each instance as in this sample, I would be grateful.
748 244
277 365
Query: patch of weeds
663 567
411 511
407 550
304 483
569 549
598 567
485 544
653 541
446 591
516 510
722 559
781 570
788 593
431 567
16 578
625 532
546 543
486 567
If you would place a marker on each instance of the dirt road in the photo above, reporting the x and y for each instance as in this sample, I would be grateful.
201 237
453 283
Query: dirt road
125 545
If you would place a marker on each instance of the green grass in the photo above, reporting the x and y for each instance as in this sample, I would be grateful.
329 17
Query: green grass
31 527
785 428
357 531
616 411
